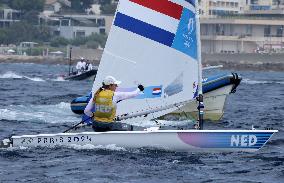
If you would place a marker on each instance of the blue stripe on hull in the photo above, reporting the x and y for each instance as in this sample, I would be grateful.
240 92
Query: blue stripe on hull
254 140
143 29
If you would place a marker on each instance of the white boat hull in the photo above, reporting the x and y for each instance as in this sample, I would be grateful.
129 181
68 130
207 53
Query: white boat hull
173 140
214 102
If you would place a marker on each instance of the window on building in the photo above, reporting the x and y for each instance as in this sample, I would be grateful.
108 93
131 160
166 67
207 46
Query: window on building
267 31
248 30
64 22
2 14
220 29
101 22
102 31
9 16
80 33
279 31
56 33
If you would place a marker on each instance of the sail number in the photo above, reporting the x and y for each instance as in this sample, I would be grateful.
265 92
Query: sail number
243 140
57 140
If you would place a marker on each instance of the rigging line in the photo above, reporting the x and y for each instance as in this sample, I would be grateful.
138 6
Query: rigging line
157 123
119 57
126 116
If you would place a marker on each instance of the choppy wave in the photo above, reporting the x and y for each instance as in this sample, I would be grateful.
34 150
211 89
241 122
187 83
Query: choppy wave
13 75
111 147
33 79
58 113
59 78
252 82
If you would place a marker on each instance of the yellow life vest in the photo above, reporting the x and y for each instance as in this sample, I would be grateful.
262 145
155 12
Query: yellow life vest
105 109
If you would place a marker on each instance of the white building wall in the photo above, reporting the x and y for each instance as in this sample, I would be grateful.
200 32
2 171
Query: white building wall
71 32
207 6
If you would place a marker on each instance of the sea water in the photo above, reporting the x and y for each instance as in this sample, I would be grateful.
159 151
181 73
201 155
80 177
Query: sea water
35 99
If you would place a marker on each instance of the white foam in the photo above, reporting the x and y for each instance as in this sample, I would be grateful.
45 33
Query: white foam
34 79
253 82
111 147
10 74
58 113
13 75
59 78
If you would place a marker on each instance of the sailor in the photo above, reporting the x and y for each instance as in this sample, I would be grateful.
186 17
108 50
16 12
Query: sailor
105 99
88 66
81 65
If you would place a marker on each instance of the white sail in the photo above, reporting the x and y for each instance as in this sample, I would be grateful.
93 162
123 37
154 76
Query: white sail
153 43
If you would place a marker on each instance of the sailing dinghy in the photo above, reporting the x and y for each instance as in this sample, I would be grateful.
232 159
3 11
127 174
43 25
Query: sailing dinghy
155 43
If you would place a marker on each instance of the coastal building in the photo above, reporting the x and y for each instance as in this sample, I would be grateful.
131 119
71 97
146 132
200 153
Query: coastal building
73 26
211 8
227 26
54 6
257 28
8 16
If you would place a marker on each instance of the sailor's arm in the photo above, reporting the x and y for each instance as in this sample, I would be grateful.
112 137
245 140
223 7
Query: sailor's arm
126 95
89 107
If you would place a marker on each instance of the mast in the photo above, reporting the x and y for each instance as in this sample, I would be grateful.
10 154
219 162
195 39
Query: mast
70 57
200 95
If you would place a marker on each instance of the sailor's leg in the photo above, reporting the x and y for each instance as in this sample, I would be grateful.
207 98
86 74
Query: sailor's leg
102 126
118 126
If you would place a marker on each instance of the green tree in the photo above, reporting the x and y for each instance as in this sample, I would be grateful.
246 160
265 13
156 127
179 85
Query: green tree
99 38
43 33
92 44
87 3
108 9
81 5
59 41
27 5
76 5
3 36
21 31
103 2
31 16
24 31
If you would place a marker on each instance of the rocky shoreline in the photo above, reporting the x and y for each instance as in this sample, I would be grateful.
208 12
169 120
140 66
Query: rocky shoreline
257 62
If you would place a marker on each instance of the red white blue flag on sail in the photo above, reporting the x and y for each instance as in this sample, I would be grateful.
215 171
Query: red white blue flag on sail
157 91
162 21
149 91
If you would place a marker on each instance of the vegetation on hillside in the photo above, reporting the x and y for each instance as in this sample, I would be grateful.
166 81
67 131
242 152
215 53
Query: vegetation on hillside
92 41
27 29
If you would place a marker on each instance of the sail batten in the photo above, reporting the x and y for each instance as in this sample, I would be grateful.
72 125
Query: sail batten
159 52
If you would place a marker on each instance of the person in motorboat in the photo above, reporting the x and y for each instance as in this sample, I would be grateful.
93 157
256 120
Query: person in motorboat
89 66
104 100
81 65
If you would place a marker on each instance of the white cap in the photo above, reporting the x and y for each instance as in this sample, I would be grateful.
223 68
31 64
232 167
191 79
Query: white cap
111 80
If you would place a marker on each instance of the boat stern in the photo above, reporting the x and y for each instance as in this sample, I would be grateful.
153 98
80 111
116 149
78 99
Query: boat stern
227 140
